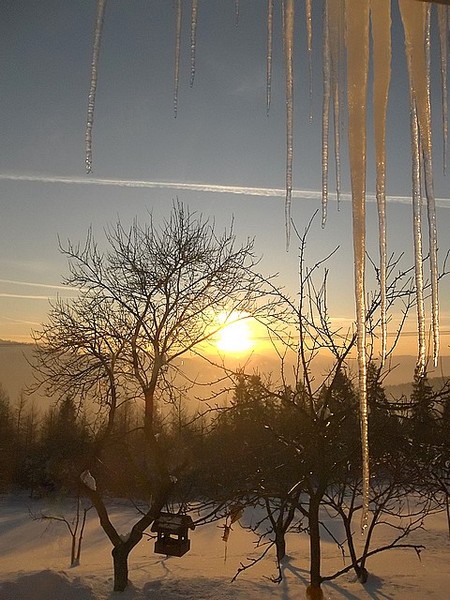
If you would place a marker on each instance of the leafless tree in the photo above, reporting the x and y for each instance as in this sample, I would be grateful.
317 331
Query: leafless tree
150 298
75 526
326 442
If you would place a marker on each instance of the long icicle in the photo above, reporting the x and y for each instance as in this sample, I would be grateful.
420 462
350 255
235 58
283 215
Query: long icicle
194 17
177 56
269 54
236 12
337 140
100 17
308 17
381 33
443 43
431 202
357 13
417 236
415 17
288 36
336 42
326 96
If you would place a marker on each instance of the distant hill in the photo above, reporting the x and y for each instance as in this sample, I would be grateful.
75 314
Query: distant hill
405 389
16 373
402 370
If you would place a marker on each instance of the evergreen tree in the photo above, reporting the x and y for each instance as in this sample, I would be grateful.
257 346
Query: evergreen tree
6 442
64 447
423 422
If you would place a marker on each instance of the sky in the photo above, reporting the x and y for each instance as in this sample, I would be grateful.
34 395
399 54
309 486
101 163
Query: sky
220 144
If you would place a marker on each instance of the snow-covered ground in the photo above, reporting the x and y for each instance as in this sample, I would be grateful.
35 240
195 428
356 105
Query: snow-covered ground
35 557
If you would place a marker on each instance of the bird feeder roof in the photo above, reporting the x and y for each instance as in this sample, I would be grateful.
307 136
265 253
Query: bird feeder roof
170 523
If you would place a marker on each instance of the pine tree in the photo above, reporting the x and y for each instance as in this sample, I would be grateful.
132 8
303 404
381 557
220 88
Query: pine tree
423 422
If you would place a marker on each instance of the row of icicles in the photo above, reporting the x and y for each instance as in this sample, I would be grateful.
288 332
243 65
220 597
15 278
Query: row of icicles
347 27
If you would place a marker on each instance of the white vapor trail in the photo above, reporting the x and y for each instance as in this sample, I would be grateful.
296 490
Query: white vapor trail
23 296
200 187
34 284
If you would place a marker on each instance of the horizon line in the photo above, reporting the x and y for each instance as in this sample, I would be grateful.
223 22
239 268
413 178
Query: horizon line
205 187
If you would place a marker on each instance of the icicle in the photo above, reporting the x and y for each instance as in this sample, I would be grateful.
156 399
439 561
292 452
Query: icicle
381 33
177 57
101 5
194 16
357 12
325 111
417 236
288 36
415 18
236 12
431 205
337 142
269 54
443 42
308 9
336 44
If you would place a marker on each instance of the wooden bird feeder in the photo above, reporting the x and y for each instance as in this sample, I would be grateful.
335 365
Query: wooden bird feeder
172 532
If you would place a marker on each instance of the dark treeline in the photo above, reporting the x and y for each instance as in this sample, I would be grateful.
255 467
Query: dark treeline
266 442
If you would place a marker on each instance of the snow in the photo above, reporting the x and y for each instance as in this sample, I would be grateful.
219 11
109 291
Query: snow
88 480
35 563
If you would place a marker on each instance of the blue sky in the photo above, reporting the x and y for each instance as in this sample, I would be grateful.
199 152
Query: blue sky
221 136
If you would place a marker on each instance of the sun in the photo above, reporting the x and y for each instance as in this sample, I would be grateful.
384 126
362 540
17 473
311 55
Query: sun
236 336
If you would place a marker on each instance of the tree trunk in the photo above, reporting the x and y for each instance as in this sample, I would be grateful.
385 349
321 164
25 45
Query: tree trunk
120 561
280 543
314 543
314 593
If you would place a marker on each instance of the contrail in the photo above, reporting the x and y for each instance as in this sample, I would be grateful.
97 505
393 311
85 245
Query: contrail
19 322
34 284
24 296
202 187
33 297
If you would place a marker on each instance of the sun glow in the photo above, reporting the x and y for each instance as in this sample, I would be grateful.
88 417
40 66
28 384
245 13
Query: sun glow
236 336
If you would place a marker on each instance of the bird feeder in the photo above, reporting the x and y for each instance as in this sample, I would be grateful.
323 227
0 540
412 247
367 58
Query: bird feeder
172 532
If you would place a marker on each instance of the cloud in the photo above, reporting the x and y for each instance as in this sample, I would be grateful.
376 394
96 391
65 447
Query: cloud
201 187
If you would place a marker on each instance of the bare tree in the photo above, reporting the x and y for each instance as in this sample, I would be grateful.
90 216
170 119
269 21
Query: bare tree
321 430
75 526
146 301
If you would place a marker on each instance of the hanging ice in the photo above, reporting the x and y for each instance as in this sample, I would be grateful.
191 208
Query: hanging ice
331 61
357 13
101 5
177 56
308 16
443 24
417 236
336 20
326 96
236 12
288 35
381 34
269 54
194 16
416 23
